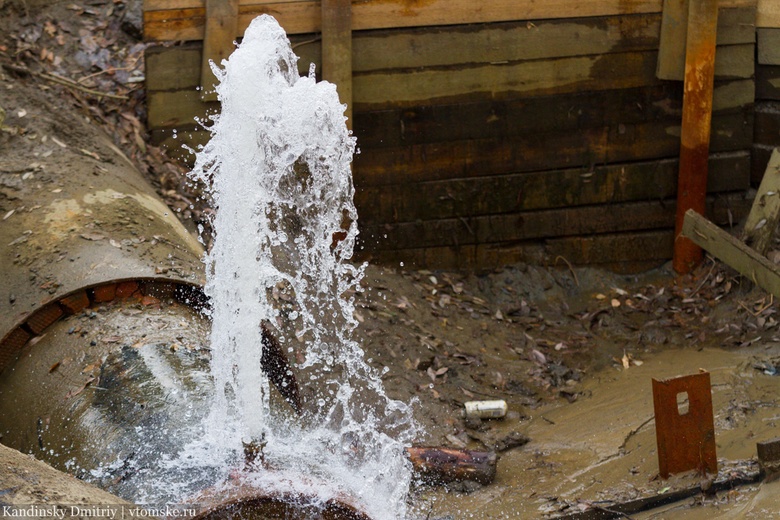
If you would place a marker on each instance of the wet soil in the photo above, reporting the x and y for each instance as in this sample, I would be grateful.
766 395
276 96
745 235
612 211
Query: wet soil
571 351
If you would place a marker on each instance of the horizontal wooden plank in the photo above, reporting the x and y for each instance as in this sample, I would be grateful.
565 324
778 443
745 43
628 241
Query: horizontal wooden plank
377 91
542 151
614 183
768 46
184 20
768 82
474 119
530 78
545 224
624 252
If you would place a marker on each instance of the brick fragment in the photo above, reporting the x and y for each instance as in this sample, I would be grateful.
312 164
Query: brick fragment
11 346
44 317
105 293
75 302
126 289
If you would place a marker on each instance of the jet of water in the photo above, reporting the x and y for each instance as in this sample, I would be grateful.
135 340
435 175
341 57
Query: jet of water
278 167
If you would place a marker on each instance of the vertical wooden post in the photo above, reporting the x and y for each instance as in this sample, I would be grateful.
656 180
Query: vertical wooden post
221 31
674 33
696 119
337 49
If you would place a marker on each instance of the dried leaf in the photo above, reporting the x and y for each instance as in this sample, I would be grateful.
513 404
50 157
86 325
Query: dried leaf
538 357
77 391
625 360
466 392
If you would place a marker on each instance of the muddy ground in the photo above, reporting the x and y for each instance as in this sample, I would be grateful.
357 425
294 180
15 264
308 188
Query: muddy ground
572 351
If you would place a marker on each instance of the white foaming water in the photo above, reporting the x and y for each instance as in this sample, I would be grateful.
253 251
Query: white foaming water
278 165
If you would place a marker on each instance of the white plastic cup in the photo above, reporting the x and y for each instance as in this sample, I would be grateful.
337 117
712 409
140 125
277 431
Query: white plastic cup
486 409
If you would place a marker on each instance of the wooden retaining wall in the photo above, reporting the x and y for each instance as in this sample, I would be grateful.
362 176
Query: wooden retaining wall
767 108
512 132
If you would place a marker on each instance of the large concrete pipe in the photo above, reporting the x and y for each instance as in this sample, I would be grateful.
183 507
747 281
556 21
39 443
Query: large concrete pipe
101 336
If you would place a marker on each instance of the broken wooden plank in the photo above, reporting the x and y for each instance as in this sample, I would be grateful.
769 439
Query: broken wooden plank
732 252
337 49
761 223
221 29
697 116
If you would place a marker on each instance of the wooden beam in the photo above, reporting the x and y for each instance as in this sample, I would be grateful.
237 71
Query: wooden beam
768 13
337 49
674 33
764 215
768 46
696 119
221 30
732 252
184 20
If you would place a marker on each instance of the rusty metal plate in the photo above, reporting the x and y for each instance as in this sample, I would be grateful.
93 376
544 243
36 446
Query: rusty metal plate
684 424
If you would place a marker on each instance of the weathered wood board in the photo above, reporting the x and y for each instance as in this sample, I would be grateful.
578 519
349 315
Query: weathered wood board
733 252
618 252
545 224
768 82
768 46
220 32
768 13
735 22
167 20
501 194
761 223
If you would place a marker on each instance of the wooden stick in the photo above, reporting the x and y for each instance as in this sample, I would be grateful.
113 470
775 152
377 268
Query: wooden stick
732 252
442 465
764 215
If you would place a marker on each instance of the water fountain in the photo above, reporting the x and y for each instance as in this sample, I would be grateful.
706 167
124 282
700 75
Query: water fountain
170 411
278 167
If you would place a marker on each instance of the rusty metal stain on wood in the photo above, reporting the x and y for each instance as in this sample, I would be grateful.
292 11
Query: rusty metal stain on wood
685 431
696 119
